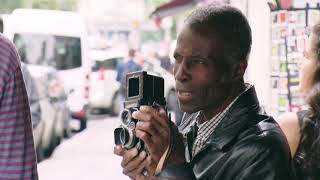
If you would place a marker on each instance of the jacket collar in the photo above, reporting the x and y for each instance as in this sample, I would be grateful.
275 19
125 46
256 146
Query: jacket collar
236 119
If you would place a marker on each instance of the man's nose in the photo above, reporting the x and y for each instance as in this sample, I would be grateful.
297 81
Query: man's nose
181 72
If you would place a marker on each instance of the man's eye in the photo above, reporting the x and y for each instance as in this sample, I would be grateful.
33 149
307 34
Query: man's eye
198 61
177 60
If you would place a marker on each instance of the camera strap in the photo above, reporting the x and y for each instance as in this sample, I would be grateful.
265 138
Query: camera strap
162 160
166 153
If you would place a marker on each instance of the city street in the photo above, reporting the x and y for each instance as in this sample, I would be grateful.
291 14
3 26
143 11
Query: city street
85 156
78 59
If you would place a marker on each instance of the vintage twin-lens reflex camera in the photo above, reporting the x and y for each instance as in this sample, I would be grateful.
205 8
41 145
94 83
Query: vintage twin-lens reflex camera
142 89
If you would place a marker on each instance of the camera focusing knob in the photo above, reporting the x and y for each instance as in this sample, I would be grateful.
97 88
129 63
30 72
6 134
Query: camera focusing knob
131 125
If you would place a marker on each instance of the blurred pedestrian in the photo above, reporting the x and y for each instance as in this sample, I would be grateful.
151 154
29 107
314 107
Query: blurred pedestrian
122 69
17 153
140 60
165 63
302 129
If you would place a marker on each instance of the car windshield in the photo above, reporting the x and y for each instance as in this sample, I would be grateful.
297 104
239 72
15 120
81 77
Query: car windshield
60 52
108 64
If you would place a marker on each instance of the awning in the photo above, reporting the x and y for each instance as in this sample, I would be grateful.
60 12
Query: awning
172 8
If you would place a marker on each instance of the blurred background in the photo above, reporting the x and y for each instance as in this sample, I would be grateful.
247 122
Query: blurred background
71 49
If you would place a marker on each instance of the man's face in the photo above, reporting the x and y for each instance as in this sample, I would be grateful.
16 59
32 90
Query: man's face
196 71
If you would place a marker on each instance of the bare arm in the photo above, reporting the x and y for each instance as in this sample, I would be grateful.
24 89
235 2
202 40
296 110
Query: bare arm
288 122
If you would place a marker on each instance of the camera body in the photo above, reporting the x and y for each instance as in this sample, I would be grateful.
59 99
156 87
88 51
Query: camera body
142 89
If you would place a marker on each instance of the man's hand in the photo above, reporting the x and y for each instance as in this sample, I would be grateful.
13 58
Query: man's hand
158 133
133 163
153 128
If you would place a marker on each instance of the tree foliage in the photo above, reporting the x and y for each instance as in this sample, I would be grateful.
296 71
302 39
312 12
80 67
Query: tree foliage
7 6
69 5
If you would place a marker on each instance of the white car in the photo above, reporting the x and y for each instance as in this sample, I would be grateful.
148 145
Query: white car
57 39
103 93
34 98
54 113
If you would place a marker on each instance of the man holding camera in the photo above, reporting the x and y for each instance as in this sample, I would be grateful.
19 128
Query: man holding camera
224 134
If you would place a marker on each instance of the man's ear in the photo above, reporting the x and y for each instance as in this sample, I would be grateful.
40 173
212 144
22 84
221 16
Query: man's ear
239 70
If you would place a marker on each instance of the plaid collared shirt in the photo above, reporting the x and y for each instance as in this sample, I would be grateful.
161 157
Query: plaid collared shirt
207 128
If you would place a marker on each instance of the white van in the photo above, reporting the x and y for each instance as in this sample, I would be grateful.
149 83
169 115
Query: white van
57 39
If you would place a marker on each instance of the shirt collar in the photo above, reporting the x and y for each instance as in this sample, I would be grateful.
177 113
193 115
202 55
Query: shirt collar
200 114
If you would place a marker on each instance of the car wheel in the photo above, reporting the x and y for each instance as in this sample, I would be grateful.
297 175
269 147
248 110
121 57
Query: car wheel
67 132
55 141
95 111
39 153
83 124
115 107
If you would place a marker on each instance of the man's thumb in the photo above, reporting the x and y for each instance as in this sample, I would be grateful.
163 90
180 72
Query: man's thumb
118 150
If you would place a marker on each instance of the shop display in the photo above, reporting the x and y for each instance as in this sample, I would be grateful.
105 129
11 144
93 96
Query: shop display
290 29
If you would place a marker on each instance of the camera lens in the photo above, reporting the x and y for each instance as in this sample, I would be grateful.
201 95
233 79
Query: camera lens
125 117
124 136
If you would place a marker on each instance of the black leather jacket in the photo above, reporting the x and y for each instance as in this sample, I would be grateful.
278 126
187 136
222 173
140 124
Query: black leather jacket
247 144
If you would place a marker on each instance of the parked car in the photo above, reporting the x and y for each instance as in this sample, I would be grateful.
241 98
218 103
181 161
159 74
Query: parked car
103 94
54 112
57 39
35 109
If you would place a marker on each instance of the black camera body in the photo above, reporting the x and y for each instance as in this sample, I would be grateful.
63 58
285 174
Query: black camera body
142 89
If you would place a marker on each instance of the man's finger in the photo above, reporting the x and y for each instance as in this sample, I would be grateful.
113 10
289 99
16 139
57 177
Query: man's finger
152 117
128 156
160 120
159 115
141 177
164 117
148 127
147 123
137 171
149 109
155 134
118 150
133 164
145 137
151 167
